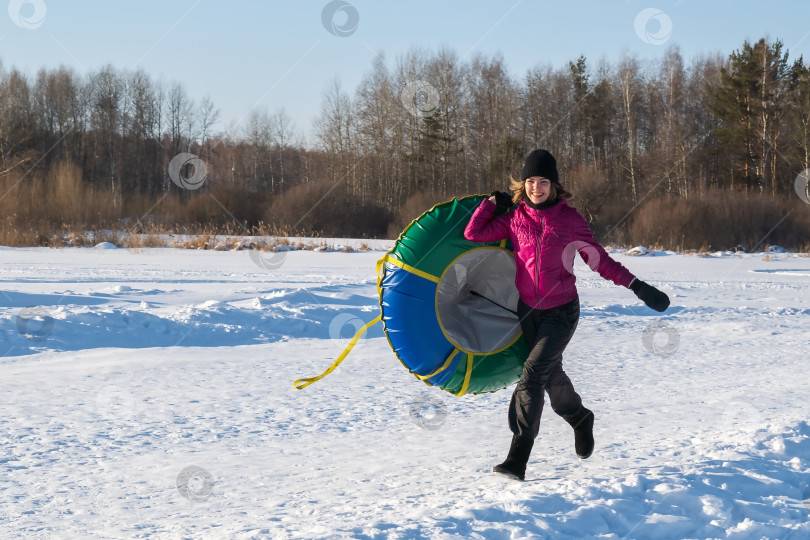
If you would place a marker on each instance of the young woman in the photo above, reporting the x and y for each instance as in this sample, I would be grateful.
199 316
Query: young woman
546 234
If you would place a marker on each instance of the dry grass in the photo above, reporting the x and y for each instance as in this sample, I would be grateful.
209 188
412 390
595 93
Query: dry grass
146 241
323 208
722 220
55 208
194 242
411 209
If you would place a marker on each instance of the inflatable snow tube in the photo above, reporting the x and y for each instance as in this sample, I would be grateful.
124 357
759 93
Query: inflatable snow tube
448 305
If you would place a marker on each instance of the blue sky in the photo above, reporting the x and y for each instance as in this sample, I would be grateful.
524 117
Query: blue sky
276 54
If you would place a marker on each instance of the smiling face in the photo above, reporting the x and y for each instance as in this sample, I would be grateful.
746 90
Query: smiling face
538 189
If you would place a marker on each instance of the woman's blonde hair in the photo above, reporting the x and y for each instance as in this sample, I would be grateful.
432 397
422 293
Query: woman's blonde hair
518 189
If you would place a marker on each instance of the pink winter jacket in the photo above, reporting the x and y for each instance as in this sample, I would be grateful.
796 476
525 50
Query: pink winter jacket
545 243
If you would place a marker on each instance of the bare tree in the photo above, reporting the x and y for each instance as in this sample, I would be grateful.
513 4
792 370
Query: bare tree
209 116
15 114
629 85
258 131
181 119
335 129
280 135
106 119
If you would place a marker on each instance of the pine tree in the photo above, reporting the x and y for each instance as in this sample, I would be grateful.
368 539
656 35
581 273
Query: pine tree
749 102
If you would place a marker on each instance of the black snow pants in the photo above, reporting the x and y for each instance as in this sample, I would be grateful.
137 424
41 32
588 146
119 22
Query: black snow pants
547 333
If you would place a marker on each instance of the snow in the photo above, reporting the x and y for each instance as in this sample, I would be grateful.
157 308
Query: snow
644 251
148 392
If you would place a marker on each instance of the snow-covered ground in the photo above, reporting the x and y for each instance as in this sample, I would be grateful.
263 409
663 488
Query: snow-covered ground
149 393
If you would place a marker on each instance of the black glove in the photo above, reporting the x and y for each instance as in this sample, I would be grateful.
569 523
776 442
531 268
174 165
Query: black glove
651 296
502 199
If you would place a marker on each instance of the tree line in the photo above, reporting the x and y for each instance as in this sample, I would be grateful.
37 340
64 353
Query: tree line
631 138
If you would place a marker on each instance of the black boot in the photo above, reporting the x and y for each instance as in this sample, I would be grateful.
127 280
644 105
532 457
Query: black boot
583 432
515 464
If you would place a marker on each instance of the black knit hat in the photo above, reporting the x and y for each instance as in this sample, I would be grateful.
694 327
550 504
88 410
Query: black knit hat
540 163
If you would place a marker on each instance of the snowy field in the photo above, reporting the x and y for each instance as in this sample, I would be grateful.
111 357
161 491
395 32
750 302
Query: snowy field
148 393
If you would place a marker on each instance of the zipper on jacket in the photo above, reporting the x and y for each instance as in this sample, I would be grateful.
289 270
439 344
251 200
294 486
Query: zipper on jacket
537 262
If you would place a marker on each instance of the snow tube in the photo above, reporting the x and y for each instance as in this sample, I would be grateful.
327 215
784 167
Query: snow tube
449 305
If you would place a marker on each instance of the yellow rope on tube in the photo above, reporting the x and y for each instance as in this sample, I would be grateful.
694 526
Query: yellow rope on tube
303 383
